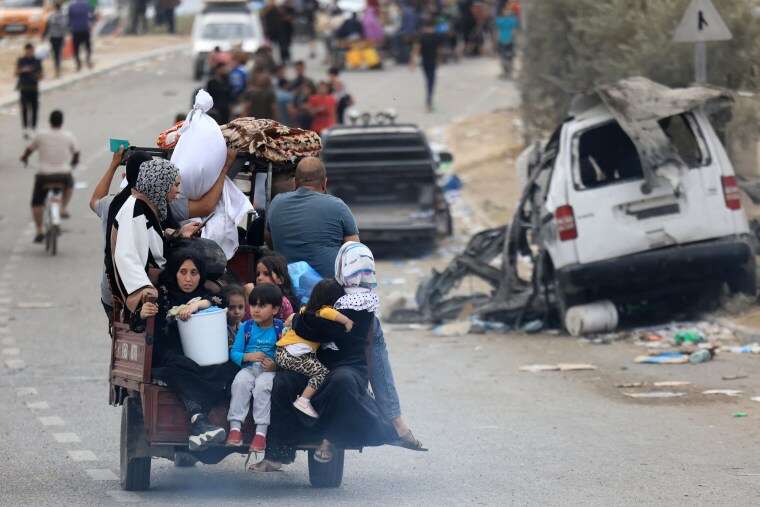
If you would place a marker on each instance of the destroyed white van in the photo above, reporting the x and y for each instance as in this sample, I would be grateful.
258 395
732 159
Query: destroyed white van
634 195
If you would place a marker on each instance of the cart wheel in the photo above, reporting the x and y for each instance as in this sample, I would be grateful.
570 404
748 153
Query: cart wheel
326 475
184 459
135 471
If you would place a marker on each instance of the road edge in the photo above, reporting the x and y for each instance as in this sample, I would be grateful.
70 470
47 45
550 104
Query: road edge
49 86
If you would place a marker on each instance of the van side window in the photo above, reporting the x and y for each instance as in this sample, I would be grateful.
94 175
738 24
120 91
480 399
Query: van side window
680 129
605 155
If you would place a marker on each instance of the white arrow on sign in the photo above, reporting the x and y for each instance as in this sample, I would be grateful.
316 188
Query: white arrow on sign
702 23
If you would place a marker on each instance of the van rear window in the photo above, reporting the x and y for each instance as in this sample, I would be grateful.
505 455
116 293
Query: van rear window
606 154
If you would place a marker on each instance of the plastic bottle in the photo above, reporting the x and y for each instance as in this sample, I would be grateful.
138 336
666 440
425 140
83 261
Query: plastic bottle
700 356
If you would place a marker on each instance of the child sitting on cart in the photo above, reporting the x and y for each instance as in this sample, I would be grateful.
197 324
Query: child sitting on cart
298 354
255 342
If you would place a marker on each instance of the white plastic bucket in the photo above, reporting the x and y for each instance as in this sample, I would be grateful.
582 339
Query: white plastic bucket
598 317
204 337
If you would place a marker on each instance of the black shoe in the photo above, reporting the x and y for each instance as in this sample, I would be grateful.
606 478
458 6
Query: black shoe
39 238
204 433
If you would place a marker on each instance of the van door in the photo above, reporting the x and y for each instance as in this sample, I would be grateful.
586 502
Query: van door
613 214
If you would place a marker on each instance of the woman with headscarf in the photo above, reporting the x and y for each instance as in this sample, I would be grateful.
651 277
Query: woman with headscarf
348 415
181 293
136 237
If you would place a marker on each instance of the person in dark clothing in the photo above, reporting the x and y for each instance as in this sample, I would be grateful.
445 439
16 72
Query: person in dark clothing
55 30
200 388
81 17
351 29
260 100
278 26
220 90
29 74
427 50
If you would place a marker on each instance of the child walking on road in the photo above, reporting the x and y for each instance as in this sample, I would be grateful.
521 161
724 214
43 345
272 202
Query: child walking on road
299 355
254 343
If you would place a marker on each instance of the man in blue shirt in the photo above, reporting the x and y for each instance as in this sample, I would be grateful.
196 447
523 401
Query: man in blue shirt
81 16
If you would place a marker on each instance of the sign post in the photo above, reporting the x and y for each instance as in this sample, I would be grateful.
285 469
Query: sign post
701 24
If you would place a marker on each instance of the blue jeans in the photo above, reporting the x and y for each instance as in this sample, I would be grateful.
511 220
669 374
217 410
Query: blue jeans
381 375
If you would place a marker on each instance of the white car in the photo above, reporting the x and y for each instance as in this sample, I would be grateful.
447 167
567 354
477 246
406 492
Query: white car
224 25
634 195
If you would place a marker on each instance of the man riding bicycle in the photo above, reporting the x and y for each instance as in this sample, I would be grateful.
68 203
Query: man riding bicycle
58 155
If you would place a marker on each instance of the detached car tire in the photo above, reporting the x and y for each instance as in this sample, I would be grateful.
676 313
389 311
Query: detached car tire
327 475
134 470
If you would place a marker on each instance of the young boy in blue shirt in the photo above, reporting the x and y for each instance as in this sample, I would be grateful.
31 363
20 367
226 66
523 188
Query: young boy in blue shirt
255 341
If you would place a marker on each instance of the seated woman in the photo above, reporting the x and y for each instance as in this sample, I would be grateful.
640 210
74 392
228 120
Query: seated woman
180 294
348 415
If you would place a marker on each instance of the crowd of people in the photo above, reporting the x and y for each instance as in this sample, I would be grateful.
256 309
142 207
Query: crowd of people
266 89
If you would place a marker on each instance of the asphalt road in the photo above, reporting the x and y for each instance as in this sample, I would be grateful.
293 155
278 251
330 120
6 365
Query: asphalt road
497 436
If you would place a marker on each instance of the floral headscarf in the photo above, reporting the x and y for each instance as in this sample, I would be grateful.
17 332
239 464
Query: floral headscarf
355 272
155 181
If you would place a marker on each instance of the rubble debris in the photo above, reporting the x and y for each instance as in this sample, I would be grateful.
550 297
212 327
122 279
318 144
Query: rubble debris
663 358
700 356
655 394
479 326
672 383
752 348
456 328
534 326
690 336
536 368
725 392
575 367
734 377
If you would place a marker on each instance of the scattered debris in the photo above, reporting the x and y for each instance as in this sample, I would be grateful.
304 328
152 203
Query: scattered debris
700 356
479 326
598 317
690 336
740 414
755 398
536 368
734 377
672 383
534 326
726 392
663 358
752 348
656 394
630 385
575 367
456 328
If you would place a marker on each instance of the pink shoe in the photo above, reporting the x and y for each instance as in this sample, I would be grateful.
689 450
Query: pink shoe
304 405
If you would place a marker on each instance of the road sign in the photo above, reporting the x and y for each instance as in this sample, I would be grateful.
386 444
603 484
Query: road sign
702 23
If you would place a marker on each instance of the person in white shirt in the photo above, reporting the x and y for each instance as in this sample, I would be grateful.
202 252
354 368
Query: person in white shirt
58 155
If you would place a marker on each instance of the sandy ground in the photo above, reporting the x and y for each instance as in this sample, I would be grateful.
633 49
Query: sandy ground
104 49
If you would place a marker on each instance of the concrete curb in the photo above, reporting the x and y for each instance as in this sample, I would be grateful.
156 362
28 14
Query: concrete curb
45 87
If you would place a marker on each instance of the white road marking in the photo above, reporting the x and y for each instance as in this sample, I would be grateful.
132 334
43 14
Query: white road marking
11 351
83 456
66 438
52 420
101 474
124 496
15 364
37 405
26 391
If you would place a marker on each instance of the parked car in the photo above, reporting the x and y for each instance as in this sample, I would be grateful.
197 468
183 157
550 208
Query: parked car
23 17
387 175
224 24
634 196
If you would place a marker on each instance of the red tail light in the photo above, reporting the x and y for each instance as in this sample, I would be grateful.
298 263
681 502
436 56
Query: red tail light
565 219
731 192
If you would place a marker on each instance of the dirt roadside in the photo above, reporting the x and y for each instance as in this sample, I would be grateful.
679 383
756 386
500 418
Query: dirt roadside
105 50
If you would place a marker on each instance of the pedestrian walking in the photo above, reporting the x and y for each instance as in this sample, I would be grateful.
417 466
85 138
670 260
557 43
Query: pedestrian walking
81 16
55 31
323 108
506 24
29 74
426 49
278 26
221 92
261 100
166 10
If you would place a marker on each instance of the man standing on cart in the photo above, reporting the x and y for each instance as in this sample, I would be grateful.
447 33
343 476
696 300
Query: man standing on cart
310 225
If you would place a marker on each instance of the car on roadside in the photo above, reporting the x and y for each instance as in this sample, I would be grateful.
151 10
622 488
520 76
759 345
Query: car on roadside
226 25
23 17
634 197
386 174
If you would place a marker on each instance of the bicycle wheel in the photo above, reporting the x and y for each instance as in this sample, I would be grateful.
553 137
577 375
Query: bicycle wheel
52 239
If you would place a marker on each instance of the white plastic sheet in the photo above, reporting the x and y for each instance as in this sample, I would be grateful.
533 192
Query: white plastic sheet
200 155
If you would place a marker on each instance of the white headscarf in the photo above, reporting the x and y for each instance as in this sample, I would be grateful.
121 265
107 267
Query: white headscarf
355 272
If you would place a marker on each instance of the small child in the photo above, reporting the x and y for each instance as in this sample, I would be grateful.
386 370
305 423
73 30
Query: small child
234 300
255 342
299 355
273 268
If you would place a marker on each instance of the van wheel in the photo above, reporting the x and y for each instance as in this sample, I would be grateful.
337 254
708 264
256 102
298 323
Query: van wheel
134 470
743 280
326 475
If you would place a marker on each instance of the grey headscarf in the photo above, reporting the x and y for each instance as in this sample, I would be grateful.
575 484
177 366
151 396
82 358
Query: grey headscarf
155 181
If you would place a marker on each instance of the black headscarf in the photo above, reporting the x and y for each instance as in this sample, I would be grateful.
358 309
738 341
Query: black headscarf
133 169
168 277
